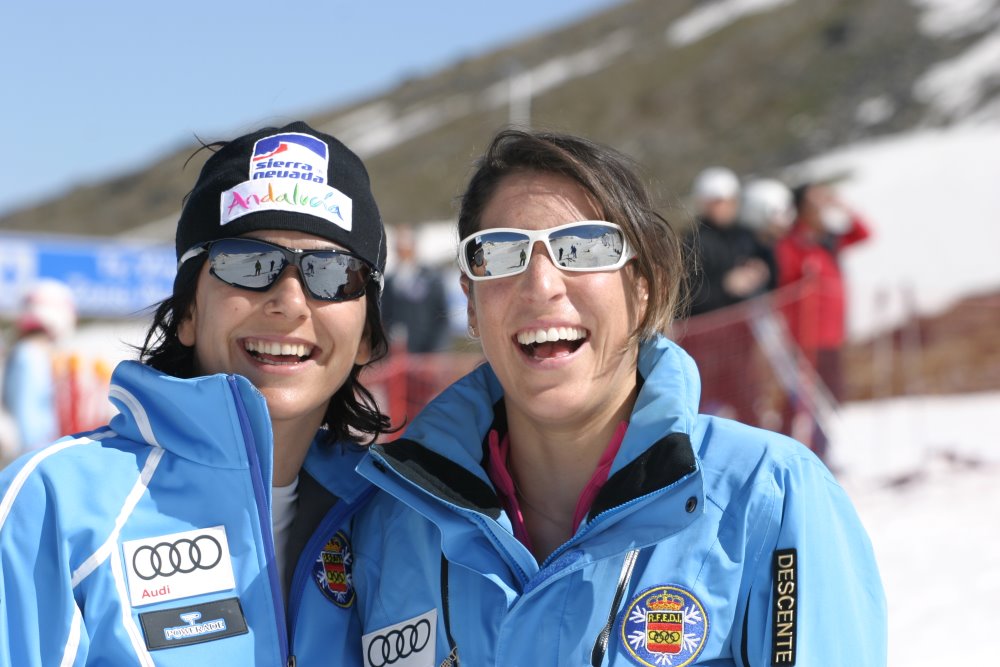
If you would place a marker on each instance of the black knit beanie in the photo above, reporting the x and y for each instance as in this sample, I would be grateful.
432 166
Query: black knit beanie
291 178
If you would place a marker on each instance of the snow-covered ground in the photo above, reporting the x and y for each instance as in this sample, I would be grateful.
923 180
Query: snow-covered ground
924 474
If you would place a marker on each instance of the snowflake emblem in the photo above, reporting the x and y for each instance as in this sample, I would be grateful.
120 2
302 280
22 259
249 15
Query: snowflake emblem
664 625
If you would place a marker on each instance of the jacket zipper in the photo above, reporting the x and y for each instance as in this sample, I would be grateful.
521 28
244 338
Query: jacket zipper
337 515
601 644
264 516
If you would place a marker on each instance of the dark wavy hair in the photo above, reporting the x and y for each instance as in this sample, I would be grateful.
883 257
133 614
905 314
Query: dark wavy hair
611 178
352 414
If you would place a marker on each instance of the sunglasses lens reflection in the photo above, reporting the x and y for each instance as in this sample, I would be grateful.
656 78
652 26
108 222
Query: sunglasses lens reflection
587 247
334 276
245 263
496 253
255 265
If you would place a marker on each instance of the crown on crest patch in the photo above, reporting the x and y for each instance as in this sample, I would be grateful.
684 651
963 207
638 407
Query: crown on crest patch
666 602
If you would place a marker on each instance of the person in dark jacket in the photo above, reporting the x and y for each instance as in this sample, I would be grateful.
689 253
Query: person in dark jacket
414 304
728 265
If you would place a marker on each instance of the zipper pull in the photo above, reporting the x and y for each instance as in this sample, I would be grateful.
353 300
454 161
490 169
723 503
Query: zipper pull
291 661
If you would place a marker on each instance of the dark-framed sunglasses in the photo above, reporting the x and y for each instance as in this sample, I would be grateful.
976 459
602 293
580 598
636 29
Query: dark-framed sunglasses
587 245
253 264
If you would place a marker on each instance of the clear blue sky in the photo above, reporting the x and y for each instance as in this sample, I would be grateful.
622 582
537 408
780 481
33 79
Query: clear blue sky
95 89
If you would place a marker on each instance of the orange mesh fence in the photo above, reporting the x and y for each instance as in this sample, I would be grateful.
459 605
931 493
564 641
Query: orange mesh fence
403 383
753 370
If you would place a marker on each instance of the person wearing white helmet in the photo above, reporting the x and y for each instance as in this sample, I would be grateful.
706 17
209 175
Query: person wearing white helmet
767 209
716 192
48 315
729 266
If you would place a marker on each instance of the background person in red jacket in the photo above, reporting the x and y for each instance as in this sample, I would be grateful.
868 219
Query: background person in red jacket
809 257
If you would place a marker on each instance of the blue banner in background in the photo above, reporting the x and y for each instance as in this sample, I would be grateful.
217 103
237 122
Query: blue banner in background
110 278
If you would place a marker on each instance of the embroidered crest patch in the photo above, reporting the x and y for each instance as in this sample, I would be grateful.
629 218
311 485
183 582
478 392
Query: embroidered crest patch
332 571
664 625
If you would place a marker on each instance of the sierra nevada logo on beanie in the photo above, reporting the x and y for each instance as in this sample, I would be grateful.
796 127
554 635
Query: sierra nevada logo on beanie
288 172
289 155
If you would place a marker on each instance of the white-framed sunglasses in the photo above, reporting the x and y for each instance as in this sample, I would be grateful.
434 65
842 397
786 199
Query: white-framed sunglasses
587 245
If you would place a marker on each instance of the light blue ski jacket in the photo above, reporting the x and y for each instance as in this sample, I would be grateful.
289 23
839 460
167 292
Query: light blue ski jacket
712 543
149 542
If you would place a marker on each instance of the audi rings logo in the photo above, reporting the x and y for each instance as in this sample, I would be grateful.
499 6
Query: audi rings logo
183 556
399 643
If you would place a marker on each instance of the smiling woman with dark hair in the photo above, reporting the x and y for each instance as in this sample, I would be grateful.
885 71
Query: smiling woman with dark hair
205 525
565 503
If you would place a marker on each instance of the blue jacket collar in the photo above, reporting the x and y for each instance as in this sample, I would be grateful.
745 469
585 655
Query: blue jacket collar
437 467
667 403
442 450
202 419
198 419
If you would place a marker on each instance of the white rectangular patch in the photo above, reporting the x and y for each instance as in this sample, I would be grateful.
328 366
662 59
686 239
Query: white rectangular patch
409 643
286 194
179 565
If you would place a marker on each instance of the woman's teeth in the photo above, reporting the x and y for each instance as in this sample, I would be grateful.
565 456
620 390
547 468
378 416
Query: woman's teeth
550 335
278 349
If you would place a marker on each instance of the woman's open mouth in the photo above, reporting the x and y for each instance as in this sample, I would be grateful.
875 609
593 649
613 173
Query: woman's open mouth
551 343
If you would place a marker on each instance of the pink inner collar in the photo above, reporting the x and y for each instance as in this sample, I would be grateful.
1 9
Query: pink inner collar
498 468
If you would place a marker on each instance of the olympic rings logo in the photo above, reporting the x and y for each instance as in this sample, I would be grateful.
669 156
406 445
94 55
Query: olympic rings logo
664 636
181 557
397 645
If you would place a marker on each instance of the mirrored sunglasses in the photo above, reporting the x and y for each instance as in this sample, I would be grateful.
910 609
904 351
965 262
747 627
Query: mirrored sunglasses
253 264
589 245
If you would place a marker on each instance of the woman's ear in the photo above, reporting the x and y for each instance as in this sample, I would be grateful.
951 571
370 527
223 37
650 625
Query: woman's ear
641 292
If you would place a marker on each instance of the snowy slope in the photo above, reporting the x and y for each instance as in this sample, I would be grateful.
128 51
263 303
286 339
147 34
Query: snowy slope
924 474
